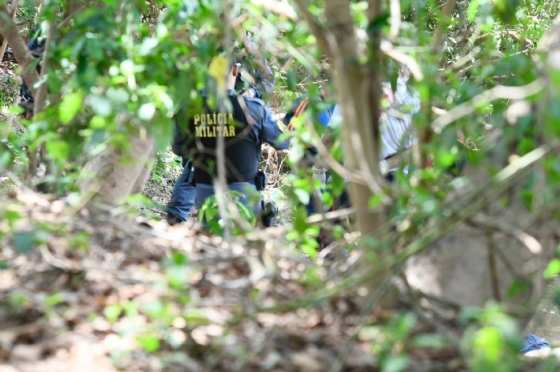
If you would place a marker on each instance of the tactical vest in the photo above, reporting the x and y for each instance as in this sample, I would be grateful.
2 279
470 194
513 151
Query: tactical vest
242 147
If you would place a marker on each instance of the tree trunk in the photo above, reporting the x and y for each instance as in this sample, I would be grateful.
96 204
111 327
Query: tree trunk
357 86
117 173
10 32
546 319
4 41
144 175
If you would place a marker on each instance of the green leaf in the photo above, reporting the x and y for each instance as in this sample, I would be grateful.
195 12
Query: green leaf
311 277
58 150
149 342
162 130
309 247
488 343
556 296
177 276
155 309
374 201
24 241
395 364
196 317
16 110
54 299
70 106
433 341
11 216
303 196
445 158
18 300
179 258
472 10
552 269
519 287
112 312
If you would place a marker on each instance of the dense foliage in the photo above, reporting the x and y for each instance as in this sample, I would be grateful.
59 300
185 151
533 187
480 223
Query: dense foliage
488 140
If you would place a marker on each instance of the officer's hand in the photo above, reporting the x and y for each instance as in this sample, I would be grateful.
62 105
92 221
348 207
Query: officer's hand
232 76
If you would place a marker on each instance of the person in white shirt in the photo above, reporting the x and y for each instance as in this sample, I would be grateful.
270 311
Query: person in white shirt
397 133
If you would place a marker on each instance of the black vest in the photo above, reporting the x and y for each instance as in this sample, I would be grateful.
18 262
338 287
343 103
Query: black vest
242 145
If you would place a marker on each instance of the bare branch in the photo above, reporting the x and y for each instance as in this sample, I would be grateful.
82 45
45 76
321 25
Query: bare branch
4 45
527 240
475 200
266 74
447 10
464 209
493 94
41 95
10 32
395 18
326 156
404 59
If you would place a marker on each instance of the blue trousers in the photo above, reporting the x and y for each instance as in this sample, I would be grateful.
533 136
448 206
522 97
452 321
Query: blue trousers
182 199
249 194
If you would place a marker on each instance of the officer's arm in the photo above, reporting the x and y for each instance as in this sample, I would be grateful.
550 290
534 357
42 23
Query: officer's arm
292 111
271 131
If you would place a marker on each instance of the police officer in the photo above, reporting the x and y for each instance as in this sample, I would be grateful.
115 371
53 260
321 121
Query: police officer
244 128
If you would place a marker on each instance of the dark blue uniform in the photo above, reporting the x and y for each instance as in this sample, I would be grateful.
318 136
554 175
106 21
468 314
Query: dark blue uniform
197 140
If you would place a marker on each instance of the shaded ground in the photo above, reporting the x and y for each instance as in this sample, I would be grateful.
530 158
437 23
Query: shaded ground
167 168
107 291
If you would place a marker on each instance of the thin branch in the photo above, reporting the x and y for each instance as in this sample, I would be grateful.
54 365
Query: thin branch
326 156
493 94
41 96
492 266
463 209
70 16
10 32
4 45
220 182
437 43
332 215
263 68
460 211
389 49
315 26
526 240
395 18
